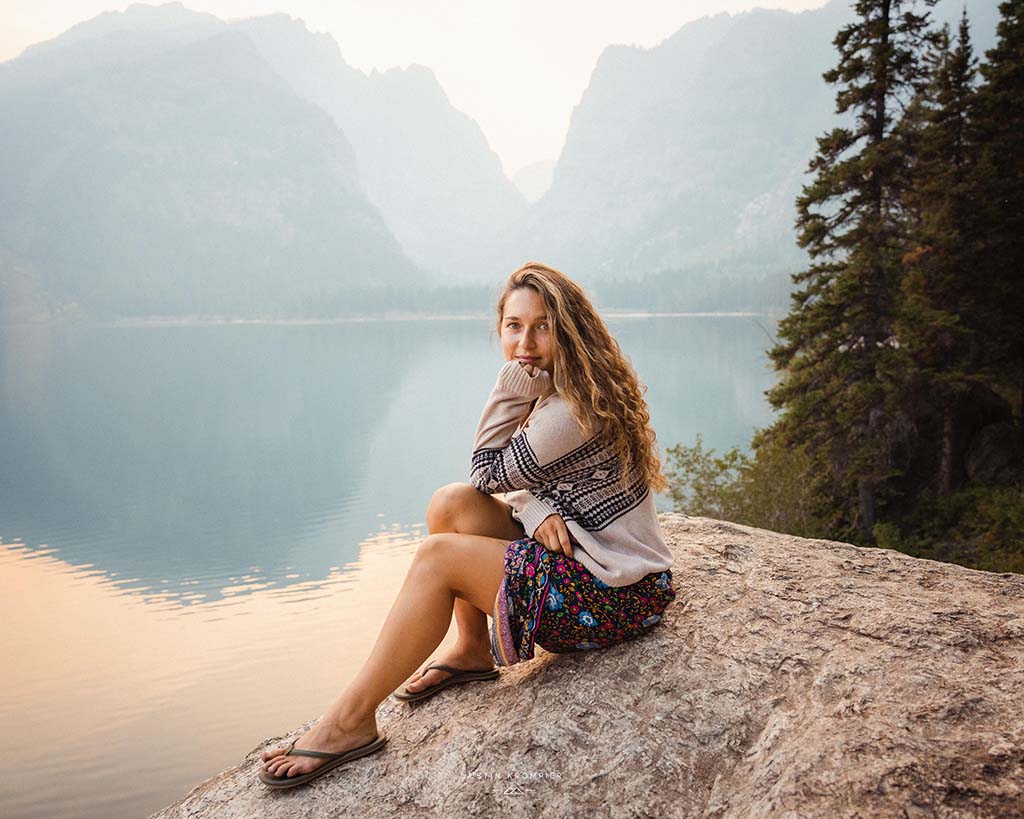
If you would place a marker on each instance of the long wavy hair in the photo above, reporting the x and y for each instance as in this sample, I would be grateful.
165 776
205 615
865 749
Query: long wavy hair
592 373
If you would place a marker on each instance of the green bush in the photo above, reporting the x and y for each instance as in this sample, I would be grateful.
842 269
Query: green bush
775 489
981 527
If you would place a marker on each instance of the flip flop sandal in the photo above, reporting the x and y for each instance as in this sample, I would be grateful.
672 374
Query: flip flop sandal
458 675
334 760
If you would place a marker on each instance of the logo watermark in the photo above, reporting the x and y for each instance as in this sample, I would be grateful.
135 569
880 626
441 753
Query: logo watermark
515 781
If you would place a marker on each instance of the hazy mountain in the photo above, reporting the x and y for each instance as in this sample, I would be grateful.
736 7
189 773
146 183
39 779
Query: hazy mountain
158 171
690 153
689 156
110 38
138 17
534 180
426 165
164 161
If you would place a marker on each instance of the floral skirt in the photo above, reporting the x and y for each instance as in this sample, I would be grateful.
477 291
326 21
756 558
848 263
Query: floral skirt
551 600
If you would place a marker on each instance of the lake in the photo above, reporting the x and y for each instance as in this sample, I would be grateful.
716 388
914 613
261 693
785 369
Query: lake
202 527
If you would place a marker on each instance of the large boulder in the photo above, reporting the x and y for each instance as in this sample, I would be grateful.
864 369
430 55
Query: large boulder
791 677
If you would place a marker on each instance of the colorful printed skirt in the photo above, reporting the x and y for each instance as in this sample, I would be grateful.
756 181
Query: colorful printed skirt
551 600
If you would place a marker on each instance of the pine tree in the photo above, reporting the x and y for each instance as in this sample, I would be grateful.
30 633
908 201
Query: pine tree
838 337
999 116
938 324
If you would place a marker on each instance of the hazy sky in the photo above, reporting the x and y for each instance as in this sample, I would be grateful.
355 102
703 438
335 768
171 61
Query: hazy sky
517 68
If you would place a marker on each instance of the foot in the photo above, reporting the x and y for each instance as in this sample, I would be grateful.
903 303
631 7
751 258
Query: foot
476 659
327 736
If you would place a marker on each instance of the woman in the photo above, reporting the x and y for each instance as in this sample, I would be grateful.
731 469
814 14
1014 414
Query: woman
571 559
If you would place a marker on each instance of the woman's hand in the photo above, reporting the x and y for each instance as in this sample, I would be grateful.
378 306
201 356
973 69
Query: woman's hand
554 536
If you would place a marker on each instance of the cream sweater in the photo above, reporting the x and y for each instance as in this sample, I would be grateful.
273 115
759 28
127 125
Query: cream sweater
546 466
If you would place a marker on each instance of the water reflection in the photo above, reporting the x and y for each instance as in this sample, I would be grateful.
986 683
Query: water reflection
118 704
180 455
195 463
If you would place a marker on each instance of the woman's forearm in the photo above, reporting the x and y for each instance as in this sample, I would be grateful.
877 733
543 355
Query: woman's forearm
508 404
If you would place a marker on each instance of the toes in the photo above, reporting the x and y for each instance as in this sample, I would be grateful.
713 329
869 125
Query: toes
417 683
273 754
287 767
282 767
292 768
423 682
432 677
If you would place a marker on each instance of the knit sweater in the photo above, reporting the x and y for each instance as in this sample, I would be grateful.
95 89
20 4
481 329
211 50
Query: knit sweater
545 465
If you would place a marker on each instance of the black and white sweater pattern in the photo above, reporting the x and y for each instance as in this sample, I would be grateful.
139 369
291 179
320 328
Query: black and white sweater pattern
530 447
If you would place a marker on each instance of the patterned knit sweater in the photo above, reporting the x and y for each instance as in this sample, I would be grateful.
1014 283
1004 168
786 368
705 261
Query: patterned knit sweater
546 466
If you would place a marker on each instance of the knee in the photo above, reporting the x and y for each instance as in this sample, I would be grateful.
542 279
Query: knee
432 549
446 504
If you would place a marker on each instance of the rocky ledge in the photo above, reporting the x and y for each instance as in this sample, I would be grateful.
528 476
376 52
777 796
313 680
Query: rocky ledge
790 677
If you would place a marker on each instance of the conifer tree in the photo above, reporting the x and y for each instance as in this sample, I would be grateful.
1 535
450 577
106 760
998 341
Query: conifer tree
999 116
838 345
938 323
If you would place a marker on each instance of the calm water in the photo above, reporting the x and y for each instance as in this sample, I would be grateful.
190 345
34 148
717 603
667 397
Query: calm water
203 527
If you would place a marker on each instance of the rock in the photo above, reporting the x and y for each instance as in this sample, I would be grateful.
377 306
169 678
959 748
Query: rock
791 677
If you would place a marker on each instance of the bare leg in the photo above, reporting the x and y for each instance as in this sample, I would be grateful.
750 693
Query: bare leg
446 567
459 507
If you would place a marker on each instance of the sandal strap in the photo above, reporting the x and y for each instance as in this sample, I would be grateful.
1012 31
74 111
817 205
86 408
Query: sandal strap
293 751
448 668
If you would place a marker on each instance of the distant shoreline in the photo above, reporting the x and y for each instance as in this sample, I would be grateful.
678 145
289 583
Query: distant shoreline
204 321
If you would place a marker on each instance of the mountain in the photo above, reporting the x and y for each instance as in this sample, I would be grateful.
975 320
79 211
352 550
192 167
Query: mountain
690 153
169 170
424 164
534 180
138 18
687 157
159 160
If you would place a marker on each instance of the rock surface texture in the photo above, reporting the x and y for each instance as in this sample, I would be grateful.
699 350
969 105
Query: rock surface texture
791 677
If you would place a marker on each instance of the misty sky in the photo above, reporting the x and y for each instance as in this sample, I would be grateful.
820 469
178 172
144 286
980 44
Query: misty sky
517 68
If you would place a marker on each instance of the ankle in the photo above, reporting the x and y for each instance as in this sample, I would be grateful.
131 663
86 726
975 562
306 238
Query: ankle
351 720
477 647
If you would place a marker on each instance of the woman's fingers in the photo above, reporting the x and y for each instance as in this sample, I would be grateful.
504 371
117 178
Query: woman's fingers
554 536
563 538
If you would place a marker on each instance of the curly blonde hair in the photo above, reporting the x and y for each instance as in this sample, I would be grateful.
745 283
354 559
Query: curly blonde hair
592 373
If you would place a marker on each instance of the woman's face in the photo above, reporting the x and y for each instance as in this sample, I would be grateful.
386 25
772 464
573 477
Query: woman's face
525 331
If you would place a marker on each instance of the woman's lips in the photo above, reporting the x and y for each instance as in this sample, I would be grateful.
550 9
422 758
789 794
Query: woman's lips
528 359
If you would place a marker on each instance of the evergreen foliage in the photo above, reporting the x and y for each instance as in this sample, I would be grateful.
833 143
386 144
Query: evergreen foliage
838 351
938 320
999 116
901 383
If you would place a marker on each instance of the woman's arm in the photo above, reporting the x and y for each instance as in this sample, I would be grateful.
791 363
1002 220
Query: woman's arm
530 510
535 458
541 521
509 403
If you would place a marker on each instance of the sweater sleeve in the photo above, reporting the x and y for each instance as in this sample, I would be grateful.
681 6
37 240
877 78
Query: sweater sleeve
529 510
502 461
